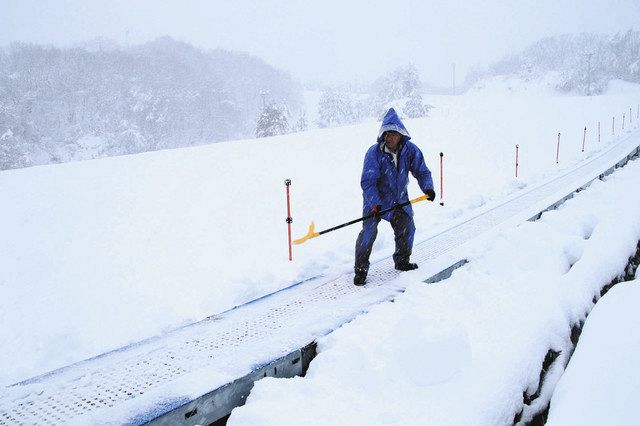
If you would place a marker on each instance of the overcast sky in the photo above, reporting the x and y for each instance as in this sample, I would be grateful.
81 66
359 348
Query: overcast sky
325 40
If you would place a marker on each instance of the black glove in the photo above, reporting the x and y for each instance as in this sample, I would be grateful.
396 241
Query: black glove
431 194
376 209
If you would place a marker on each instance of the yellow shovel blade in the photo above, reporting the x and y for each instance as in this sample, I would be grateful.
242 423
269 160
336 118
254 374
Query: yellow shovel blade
311 234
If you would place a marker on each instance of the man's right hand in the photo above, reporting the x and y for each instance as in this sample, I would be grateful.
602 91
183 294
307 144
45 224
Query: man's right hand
376 209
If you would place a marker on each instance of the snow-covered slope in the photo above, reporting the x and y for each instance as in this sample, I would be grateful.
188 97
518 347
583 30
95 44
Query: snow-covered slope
101 253
470 349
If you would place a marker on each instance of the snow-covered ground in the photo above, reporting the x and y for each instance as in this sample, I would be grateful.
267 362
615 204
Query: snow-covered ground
602 382
102 253
461 351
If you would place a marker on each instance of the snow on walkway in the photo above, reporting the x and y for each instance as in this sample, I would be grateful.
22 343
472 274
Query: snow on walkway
464 350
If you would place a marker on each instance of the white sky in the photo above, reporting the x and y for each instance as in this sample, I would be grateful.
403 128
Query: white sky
329 40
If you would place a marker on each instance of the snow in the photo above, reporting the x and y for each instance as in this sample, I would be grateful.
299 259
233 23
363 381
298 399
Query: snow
467 347
512 84
6 135
107 252
602 382
311 99
90 142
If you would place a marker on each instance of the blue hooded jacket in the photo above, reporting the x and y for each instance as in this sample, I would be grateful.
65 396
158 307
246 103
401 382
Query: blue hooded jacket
382 182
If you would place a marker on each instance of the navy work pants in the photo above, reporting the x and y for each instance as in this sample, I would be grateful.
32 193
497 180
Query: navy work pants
403 228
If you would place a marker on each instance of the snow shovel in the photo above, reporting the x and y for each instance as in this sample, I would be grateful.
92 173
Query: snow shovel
312 233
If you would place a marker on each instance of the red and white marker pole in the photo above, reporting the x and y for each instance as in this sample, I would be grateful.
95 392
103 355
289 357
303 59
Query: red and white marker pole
558 149
517 160
287 184
441 183
584 137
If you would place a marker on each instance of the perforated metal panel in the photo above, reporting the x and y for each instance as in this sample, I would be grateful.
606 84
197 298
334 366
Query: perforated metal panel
256 333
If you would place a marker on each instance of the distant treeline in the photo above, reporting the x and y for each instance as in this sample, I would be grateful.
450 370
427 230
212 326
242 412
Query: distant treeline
400 88
584 63
58 105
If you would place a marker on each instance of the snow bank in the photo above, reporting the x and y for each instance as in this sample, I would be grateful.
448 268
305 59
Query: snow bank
464 351
602 382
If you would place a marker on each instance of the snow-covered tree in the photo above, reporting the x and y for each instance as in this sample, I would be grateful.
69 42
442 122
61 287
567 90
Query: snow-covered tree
336 108
272 121
393 89
414 107
400 83
13 152
301 124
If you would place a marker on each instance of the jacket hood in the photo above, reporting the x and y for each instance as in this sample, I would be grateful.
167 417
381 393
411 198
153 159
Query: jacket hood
391 121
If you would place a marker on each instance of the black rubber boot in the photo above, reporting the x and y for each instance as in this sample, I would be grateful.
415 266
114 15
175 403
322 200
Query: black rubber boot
360 277
406 266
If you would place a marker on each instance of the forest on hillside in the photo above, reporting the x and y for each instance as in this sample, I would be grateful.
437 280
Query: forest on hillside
59 105
102 99
583 63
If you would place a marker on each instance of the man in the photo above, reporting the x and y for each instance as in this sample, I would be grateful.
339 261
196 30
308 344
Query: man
385 178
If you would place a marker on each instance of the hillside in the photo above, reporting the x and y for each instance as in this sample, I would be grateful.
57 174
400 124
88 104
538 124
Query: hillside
66 104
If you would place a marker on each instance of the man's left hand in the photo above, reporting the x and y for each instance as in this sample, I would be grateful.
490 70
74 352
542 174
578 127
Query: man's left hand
431 194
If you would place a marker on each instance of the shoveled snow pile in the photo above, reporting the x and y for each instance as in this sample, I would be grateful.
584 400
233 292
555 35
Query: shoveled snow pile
602 382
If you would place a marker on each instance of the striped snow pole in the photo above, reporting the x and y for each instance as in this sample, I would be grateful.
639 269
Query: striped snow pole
441 183
289 220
